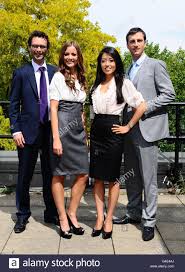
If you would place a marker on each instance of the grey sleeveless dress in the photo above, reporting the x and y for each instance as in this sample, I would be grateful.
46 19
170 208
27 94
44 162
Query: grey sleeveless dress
74 160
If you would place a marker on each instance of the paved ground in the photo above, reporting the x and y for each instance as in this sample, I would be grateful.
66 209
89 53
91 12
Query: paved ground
40 238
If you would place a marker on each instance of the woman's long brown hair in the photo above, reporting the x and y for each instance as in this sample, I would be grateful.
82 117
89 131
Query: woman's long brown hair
80 66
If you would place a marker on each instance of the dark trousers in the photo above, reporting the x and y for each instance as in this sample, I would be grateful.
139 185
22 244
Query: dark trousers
27 161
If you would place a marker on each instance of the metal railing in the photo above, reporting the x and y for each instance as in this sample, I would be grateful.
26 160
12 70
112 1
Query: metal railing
3 104
178 138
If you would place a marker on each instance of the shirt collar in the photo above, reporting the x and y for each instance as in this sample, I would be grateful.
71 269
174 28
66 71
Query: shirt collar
36 66
140 60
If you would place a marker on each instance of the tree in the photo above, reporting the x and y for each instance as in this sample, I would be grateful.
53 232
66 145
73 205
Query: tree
61 19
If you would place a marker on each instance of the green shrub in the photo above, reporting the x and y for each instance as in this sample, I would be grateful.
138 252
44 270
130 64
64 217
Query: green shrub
5 144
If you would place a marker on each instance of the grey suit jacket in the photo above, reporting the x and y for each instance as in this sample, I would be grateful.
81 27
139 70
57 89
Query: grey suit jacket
154 83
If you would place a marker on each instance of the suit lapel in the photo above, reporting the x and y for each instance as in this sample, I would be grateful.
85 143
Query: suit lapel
51 72
128 71
31 78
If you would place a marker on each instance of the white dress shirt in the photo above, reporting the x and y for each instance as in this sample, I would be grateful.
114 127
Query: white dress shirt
106 102
60 91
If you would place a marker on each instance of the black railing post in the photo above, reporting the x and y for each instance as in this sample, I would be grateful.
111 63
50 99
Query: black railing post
177 143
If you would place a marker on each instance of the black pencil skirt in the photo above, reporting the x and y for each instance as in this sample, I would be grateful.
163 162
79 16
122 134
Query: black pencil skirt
106 148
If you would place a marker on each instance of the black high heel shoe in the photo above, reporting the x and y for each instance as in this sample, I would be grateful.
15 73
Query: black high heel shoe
96 232
106 235
65 234
75 230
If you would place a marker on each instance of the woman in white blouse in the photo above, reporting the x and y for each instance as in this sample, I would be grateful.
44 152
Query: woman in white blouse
109 95
70 152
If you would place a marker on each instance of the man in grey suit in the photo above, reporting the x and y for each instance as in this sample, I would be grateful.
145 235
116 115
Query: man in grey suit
151 78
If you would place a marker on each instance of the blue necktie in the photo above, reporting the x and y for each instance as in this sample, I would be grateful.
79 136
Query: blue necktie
43 97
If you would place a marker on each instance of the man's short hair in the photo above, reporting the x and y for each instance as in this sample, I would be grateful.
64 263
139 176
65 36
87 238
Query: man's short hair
40 34
135 30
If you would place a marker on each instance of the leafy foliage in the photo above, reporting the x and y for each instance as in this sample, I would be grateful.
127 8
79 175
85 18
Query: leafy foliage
62 20
67 20
5 129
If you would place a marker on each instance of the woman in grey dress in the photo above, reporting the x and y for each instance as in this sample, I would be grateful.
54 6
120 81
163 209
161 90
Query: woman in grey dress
70 152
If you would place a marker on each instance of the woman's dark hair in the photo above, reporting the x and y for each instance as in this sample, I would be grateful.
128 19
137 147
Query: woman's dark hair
118 74
80 66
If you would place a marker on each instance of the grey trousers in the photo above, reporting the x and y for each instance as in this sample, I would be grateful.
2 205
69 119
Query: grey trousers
141 157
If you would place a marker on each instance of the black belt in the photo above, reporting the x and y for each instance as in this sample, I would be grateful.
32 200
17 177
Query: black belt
106 115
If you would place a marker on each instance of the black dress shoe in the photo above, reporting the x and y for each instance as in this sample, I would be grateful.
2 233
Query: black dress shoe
125 220
20 225
148 233
75 230
51 220
96 232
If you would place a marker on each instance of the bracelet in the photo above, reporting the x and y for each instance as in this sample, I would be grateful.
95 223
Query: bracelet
130 124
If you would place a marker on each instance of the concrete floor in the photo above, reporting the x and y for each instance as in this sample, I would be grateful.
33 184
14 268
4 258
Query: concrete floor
41 238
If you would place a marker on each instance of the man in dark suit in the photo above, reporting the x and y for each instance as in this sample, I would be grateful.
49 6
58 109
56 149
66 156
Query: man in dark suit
30 126
150 77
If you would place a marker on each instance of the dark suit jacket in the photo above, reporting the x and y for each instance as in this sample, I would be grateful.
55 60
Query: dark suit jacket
24 110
